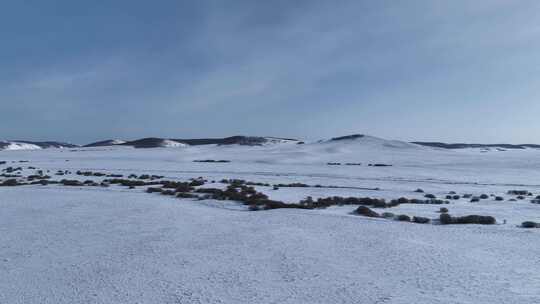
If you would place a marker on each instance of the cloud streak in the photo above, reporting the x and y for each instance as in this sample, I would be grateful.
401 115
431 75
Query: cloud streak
306 69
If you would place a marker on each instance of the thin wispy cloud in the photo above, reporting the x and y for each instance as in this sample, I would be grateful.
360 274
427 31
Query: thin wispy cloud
304 69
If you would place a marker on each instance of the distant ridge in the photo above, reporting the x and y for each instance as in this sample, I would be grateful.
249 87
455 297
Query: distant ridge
156 142
464 146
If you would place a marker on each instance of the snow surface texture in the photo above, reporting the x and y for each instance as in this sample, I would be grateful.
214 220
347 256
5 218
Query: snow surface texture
101 246
114 245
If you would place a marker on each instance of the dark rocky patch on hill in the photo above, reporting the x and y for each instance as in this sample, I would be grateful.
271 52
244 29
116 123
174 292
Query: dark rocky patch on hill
152 142
48 144
234 140
105 143
347 137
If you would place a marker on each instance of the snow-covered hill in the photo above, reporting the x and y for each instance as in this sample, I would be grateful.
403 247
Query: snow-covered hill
348 149
155 142
13 145
354 145
371 142
31 145
352 148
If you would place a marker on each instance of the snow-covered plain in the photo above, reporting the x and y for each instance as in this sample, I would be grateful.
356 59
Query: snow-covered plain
116 245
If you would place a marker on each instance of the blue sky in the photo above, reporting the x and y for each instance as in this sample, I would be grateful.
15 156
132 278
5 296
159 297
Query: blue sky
454 71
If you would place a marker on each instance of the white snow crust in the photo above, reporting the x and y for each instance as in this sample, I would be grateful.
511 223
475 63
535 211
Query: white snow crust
115 245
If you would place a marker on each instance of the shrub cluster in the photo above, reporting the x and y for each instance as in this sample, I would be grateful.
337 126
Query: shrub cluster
43 182
293 185
10 183
212 191
238 191
186 195
341 201
420 220
11 169
179 186
389 215
129 182
38 177
416 201
211 161
530 224
365 211
258 184
403 218
447 219
379 165
346 164
10 175
168 192
196 182
239 182
71 182
154 189
151 177
519 192
90 173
